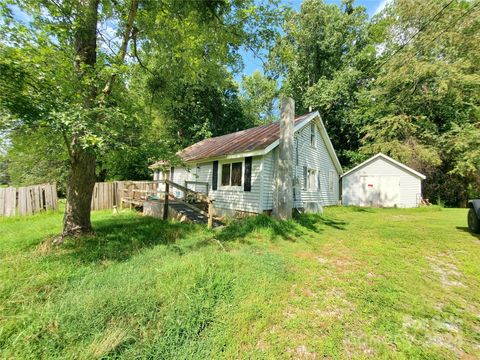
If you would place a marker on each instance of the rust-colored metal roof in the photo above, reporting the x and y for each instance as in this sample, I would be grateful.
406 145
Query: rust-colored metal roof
257 138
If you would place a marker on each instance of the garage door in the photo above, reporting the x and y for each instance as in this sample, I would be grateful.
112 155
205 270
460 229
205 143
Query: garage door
380 190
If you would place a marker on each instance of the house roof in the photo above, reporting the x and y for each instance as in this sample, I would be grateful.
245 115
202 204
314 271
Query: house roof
389 159
255 141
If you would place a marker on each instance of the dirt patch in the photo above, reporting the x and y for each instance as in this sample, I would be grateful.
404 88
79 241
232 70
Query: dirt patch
401 218
448 272
262 345
301 352
322 260
336 305
436 332
357 347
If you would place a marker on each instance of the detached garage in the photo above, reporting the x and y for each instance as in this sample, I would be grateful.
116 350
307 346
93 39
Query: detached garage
383 182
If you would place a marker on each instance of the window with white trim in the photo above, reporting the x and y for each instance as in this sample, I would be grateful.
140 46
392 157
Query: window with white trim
297 161
312 180
331 181
231 174
312 134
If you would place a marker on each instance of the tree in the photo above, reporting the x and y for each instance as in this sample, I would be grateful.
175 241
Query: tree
200 110
326 56
64 72
259 95
422 107
34 157
53 71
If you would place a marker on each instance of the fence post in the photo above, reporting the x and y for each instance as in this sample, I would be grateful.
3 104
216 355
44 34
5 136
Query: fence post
210 214
165 204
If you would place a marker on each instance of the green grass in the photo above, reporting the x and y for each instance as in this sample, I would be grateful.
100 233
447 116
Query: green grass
354 283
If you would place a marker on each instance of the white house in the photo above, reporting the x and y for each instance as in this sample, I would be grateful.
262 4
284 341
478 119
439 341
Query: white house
239 170
382 181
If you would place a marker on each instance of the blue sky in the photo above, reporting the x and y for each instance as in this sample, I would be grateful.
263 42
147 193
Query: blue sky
252 63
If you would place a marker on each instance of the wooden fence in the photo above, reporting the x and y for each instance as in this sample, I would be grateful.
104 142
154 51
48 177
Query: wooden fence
106 195
28 200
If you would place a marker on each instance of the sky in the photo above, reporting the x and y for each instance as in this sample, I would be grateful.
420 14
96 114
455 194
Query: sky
251 63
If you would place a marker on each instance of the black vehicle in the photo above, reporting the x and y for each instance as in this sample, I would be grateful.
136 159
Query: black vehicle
474 216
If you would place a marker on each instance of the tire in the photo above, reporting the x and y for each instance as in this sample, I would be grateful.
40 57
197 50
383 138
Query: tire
473 221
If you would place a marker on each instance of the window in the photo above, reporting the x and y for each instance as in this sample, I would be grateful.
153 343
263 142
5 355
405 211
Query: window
232 174
312 179
237 174
297 162
331 179
226 174
312 134
305 178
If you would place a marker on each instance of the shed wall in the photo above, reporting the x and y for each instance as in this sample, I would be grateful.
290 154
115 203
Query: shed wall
410 185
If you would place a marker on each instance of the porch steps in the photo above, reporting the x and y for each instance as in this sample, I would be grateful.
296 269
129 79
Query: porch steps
190 215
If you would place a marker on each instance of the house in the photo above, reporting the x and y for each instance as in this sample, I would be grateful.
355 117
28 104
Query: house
384 182
241 172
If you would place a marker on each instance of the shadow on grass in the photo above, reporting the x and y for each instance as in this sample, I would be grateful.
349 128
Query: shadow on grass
119 238
361 209
465 229
240 229
314 222
286 230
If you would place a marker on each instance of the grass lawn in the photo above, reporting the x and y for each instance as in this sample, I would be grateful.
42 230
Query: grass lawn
354 283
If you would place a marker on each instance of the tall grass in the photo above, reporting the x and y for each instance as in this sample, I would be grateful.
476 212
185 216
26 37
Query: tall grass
339 285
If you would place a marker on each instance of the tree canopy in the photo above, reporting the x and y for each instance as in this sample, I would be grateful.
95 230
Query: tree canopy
103 76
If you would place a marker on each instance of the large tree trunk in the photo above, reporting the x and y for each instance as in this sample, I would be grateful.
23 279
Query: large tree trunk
82 161
79 194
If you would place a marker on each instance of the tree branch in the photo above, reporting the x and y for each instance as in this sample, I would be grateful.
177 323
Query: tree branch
135 52
67 145
123 47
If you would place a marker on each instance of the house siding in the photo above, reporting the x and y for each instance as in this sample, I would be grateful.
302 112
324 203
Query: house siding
228 201
267 179
260 198
317 158
410 185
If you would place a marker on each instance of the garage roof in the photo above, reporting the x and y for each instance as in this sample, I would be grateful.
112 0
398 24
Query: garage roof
389 159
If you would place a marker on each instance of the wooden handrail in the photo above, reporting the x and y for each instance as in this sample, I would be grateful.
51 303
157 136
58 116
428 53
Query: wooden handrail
197 182
168 183
203 197
202 183
190 191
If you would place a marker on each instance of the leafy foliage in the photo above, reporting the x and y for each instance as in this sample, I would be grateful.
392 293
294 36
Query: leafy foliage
423 106
401 84
325 57
259 97
174 89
